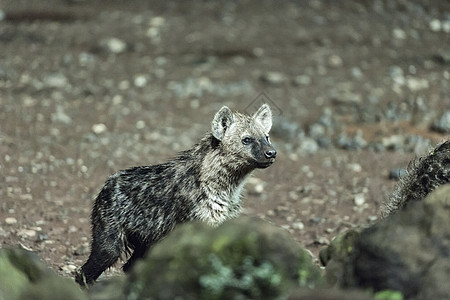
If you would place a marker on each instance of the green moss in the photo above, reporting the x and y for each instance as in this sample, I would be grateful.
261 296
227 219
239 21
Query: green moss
12 281
388 295
240 259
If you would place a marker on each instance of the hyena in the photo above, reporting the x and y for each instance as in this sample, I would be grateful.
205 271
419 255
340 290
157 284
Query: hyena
139 206
425 174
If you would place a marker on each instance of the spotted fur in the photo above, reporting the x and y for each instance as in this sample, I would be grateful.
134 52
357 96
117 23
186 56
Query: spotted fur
424 175
139 206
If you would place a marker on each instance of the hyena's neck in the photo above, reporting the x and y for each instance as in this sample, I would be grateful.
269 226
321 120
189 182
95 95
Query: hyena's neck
222 178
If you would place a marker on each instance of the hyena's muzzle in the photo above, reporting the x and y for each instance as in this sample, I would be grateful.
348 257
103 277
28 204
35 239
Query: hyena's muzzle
264 153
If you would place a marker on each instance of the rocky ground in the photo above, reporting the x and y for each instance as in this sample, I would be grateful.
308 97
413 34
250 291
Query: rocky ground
91 87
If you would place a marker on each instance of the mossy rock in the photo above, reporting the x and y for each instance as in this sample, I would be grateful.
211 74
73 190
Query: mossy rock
406 252
337 254
24 276
246 258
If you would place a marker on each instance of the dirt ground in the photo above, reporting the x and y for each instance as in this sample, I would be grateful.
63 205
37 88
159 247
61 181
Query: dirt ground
91 87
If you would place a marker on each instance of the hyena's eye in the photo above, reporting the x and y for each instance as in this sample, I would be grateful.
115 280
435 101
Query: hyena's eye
247 140
267 139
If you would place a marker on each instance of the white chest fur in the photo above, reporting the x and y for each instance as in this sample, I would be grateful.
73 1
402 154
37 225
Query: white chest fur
220 204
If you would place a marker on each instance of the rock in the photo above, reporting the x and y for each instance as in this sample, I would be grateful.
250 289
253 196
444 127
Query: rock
407 252
273 78
337 254
113 45
243 258
399 33
393 142
397 173
24 276
286 129
442 124
308 146
335 61
359 199
255 186
10 220
417 84
302 80
56 80
99 128
352 143
442 57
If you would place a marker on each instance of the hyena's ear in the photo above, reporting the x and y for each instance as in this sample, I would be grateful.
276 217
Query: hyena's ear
222 121
264 117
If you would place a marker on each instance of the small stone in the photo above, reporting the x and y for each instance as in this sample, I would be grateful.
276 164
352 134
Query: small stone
355 167
335 61
140 81
397 173
273 78
417 84
302 80
113 45
298 225
255 186
435 25
10 220
27 233
399 33
99 128
442 124
68 269
359 199
140 124
308 146
393 142
56 80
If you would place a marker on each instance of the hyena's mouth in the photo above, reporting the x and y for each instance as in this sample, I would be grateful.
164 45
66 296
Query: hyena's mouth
264 164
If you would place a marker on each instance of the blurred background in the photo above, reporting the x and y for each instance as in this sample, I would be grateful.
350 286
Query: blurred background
358 89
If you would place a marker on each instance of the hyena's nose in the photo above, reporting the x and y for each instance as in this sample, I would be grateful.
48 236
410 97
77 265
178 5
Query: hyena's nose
270 154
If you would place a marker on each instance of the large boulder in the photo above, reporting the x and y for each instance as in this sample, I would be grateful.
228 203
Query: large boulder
337 254
245 258
409 251
24 276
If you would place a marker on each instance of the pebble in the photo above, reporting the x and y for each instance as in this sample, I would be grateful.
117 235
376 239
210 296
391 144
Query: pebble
359 199
352 143
399 33
10 220
140 81
113 45
99 128
273 78
442 124
285 129
56 80
417 84
68 269
27 233
60 116
308 146
302 80
298 225
397 173
255 186
335 61
393 142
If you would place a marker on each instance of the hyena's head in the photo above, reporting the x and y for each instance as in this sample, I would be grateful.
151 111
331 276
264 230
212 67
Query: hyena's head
246 137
